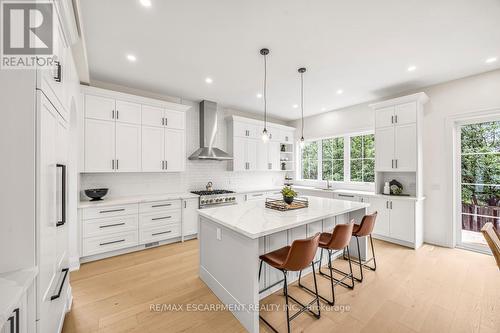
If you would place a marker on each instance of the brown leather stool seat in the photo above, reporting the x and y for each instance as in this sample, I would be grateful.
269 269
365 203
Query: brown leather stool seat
365 229
293 258
333 243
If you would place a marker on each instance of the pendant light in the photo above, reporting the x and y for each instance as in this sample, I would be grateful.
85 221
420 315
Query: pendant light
265 134
302 70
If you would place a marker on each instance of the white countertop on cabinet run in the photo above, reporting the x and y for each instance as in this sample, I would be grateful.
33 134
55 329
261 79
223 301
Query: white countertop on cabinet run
135 199
357 192
12 287
252 219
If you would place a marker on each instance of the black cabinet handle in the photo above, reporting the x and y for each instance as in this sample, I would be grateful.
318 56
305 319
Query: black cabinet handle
161 233
111 225
16 311
65 270
11 321
162 205
346 196
112 210
113 242
160 218
63 195
57 74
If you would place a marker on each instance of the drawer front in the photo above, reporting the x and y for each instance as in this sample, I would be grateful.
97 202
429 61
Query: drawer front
158 206
102 227
96 245
159 219
111 211
160 233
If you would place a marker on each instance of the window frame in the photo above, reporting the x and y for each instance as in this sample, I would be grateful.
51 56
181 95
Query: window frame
347 158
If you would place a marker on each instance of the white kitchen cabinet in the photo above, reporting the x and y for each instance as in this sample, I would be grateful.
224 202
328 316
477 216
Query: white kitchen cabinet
98 107
405 147
128 112
262 155
175 150
384 148
175 119
189 217
380 205
99 145
273 157
153 116
245 129
405 113
384 117
153 149
128 147
245 156
402 220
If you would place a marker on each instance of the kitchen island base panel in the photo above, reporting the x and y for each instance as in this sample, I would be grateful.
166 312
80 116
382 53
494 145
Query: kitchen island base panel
229 262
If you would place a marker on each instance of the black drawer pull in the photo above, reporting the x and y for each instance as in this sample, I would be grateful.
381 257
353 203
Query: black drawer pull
112 210
111 225
346 196
161 233
65 270
161 218
16 312
113 242
257 195
162 205
11 321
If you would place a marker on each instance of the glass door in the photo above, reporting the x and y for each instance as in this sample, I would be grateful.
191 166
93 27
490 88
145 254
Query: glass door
479 182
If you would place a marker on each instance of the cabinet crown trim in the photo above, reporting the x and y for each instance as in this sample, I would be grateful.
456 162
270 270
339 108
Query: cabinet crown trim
420 97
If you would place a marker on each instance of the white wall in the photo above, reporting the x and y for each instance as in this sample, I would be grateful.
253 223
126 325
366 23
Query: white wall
197 173
447 100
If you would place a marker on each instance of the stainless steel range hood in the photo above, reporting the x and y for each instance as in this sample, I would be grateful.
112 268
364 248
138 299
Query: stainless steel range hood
208 133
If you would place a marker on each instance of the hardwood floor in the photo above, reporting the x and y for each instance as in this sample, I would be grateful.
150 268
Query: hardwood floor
430 290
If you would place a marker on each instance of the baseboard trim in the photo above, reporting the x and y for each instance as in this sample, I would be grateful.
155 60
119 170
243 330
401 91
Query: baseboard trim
74 264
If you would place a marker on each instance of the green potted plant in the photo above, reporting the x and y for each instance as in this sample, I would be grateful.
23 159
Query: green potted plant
288 194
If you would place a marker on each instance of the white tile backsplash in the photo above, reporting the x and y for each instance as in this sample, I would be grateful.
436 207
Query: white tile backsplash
197 173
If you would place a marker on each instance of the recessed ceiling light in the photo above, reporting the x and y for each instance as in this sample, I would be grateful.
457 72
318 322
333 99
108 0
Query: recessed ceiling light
491 60
295 106
209 80
259 95
131 57
411 68
340 92
323 109
146 3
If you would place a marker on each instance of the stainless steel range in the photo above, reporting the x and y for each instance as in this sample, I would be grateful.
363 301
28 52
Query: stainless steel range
214 198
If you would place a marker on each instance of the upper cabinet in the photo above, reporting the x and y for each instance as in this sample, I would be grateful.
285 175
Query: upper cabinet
125 133
250 152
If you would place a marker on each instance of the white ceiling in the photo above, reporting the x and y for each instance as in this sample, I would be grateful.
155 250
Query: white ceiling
361 47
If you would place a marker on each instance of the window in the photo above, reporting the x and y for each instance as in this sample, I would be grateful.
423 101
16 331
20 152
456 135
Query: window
349 158
363 158
333 159
310 160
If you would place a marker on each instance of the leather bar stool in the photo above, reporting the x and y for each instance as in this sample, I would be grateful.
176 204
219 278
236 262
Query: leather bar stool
365 229
333 243
292 259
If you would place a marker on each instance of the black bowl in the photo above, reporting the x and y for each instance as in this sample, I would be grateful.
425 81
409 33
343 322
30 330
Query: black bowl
96 193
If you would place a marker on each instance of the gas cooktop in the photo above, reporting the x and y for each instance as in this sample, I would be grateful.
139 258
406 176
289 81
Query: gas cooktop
213 192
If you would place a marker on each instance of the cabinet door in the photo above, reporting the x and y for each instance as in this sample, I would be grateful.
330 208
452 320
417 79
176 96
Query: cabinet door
243 129
97 107
152 116
384 117
384 148
174 119
274 133
262 155
127 112
239 154
274 155
189 217
251 152
128 147
174 150
405 113
402 225
153 148
405 142
287 137
99 145
380 205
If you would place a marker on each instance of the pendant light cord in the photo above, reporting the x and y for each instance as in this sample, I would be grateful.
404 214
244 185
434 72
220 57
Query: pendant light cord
302 101
265 92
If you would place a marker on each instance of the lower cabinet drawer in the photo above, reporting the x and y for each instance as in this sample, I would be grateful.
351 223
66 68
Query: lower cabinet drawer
159 219
102 227
96 245
156 206
110 211
156 234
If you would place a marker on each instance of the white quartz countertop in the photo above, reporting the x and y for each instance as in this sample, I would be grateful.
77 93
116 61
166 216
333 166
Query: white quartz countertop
254 220
356 192
135 199
13 286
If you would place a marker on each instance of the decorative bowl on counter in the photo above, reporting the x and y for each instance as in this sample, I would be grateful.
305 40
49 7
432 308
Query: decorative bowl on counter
96 194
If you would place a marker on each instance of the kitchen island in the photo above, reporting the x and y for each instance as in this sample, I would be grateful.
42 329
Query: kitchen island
231 239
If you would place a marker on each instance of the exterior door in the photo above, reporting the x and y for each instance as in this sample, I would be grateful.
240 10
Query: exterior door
99 145
384 147
174 150
128 147
153 148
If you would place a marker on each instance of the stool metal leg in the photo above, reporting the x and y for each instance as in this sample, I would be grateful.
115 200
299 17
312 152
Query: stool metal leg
365 263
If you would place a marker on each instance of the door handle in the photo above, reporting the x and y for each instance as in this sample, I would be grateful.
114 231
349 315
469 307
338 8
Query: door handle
387 204
117 167
63 195
112 164
391 204
396 162
53 297
396 119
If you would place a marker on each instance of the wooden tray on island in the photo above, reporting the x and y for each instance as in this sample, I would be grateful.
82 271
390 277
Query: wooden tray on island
279 204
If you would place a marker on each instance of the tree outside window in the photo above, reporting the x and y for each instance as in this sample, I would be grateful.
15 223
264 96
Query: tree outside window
333 159
363 158
310 160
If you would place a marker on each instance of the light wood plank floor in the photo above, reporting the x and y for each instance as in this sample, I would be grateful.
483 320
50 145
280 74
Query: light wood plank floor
430 290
